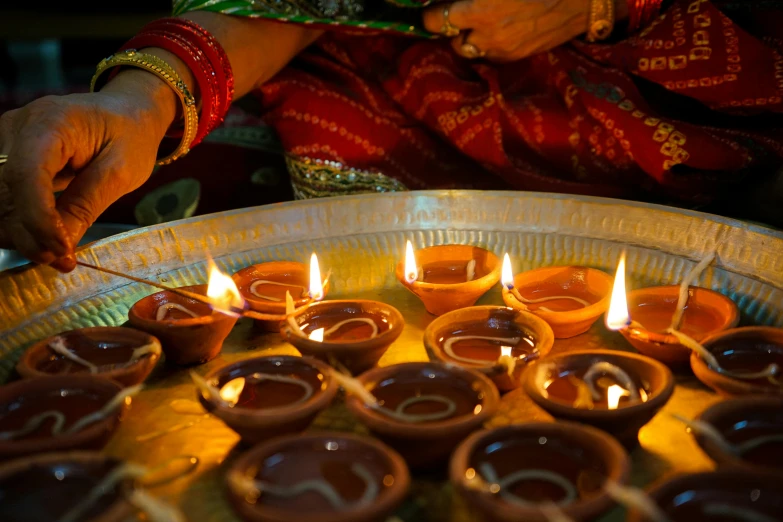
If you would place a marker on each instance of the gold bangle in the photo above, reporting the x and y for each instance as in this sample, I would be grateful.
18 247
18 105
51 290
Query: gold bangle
601 20
158 67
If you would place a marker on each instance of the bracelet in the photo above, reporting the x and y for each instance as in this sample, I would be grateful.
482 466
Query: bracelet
642 12
199 66
601 20
158 67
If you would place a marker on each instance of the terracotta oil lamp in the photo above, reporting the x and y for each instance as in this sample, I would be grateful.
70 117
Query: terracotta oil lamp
46 487
323 477
494 340
265 397
654 320
448 277
615 391
750 361
125 355
745 432
529 471
354 333
424 410
737 495
569 298
59 413
264 287
191 332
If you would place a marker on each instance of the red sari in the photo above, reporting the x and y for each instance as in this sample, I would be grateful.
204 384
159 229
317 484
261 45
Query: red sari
684 110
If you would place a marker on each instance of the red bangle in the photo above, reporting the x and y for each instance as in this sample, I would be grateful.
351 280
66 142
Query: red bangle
199 66
642 13
200 37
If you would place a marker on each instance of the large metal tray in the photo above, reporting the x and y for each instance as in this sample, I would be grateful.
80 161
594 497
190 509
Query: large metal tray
360 238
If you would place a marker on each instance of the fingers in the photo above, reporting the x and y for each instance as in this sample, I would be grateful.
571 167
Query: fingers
460 15
38 154
90 193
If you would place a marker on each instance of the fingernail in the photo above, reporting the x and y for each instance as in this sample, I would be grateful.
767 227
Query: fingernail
66 263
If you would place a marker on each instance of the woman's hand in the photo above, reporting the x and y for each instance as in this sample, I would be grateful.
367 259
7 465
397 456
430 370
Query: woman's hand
508 30
93 147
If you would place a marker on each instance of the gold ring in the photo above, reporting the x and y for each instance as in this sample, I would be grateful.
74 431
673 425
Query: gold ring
471 52
448 29
3 158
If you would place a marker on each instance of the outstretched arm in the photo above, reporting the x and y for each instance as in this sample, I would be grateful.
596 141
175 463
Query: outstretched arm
98 147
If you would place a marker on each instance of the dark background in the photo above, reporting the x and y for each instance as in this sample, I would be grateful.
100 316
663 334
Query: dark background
50 45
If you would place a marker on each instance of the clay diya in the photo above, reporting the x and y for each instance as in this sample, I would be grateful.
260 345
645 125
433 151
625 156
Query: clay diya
707 313
47 487
265 397
615 391
264 287
494 340
124 355
527 471
424 410
746 432
354 333
737 495
448 277
745 361
569 298
324 477
59 413
190 331
665 322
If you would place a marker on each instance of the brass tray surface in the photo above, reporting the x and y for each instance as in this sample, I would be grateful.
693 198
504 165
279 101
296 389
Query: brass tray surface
360 238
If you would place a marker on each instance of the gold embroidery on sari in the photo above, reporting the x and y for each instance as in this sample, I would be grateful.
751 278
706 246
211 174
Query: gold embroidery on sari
314 178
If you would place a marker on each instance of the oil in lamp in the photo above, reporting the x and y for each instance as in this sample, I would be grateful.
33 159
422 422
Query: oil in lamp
448 277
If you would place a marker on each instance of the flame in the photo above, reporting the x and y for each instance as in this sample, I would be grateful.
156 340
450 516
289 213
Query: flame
505 351
317 335
507 275
231 391
613 394
411 270
316 285
223 291
618 317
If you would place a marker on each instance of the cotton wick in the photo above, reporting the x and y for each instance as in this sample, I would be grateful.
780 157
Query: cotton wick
618 373
164 309
709 431
490 475
684 293
256 284
57 344
635 498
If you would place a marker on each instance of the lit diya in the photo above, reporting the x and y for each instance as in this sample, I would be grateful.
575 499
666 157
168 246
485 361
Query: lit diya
78 486
742 361
191 331
663 314
264 287
527 471
264 397
125 355
448 277
354 333
423 410
495 340
615 391
569 298
724 495
746 432
325 477
59 413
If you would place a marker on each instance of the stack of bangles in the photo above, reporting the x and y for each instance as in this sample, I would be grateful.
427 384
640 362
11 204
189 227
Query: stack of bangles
205 58
642 12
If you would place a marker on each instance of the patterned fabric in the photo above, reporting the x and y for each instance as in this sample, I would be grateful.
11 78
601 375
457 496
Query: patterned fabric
683 110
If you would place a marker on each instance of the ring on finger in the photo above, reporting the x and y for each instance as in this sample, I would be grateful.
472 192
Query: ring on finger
471 51
3 158
448 29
